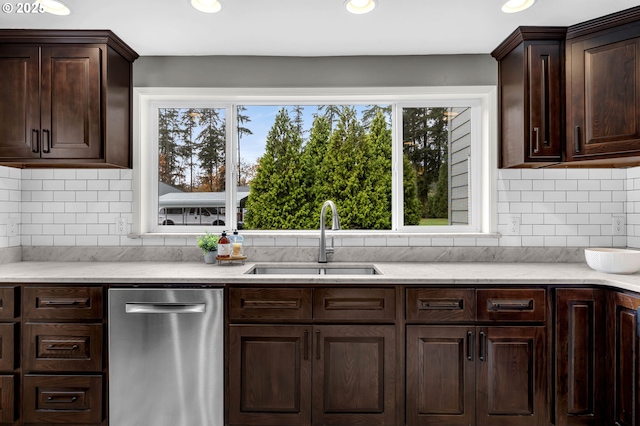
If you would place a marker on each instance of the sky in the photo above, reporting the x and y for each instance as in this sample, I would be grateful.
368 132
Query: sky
262 119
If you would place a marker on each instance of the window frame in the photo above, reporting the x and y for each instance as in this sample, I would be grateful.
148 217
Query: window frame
483 100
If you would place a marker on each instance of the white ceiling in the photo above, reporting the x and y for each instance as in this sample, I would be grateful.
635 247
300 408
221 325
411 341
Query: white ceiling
311 27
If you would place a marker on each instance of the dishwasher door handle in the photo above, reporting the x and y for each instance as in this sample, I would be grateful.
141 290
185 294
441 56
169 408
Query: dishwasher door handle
165 308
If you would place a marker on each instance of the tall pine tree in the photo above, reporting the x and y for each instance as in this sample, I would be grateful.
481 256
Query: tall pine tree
277 190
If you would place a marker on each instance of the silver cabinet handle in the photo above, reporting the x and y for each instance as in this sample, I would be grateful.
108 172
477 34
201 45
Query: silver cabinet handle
165 308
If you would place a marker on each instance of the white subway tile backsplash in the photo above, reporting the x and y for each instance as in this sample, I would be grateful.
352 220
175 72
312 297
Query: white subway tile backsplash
557 207
64 174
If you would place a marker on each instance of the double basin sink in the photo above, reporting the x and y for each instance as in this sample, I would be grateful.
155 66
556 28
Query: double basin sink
306 269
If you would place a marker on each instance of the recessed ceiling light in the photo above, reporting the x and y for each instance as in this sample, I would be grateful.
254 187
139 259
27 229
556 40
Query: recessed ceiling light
54 7
360 7
513 6
207 6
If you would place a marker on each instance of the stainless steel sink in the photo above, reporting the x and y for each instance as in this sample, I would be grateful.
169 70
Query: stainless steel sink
312 270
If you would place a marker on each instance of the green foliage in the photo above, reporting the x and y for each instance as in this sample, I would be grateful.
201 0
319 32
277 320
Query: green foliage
425 135
439 202
349 164
313 155
207 242
412 205
278 192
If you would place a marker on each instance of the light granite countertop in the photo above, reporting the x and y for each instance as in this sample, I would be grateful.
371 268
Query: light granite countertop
185 273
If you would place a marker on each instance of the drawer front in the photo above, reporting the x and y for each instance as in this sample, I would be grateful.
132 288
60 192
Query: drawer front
7 398
511 305
441 305
63 303
62 347
62 399
354 303
266 303
7 346
8 302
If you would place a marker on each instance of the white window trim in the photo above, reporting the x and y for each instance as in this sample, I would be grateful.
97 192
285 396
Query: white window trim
147 100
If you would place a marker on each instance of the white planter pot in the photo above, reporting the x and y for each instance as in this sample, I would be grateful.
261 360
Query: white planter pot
210 257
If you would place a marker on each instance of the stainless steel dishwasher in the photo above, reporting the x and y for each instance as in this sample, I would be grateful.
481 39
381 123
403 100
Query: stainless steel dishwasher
166 357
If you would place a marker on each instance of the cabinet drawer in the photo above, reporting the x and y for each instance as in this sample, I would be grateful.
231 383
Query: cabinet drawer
72 303
62 347
441 305
511 304
62 399
267 303
8 302
354 303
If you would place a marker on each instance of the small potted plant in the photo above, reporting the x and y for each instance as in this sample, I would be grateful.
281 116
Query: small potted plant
209 245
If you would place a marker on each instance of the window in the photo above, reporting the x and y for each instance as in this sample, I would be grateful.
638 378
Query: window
406 162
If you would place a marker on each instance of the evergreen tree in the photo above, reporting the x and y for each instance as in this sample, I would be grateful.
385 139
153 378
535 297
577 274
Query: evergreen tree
439 201
412 205
425 135
187 150
331 112
378 175
312 156
210 144
277 191
242 119
371 111
344 173
169 171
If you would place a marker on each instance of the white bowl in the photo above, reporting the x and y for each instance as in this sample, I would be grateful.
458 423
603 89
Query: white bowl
612 260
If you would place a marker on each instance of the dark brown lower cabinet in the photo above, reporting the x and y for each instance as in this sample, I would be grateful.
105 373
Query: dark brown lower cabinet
623 353
66 399
271 369
269 375
580 357
7 398
467 375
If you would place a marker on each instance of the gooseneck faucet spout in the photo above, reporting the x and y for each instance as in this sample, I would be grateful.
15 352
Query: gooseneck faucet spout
335 225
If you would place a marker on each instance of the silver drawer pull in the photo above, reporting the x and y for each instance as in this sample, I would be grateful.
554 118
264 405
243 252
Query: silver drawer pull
441 304
62 399
61 302
510 305
61 348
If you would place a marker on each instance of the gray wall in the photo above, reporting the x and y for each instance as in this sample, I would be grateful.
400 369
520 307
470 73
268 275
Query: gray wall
340 71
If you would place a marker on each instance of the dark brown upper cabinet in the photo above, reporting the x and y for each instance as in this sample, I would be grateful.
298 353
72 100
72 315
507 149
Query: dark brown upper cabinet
570 96
65 99
603 93
530 89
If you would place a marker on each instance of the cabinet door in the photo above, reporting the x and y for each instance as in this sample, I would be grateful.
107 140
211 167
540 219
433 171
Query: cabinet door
604 96
511 376
269 375
440 376
70 106
545 112
354 375
580 356
7 398
623 353
19 102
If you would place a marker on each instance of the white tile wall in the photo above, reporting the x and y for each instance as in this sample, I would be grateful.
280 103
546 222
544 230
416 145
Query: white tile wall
75 207
556 208
562 207
10 197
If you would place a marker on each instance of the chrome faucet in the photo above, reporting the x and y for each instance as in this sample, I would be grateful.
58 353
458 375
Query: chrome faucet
335 225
